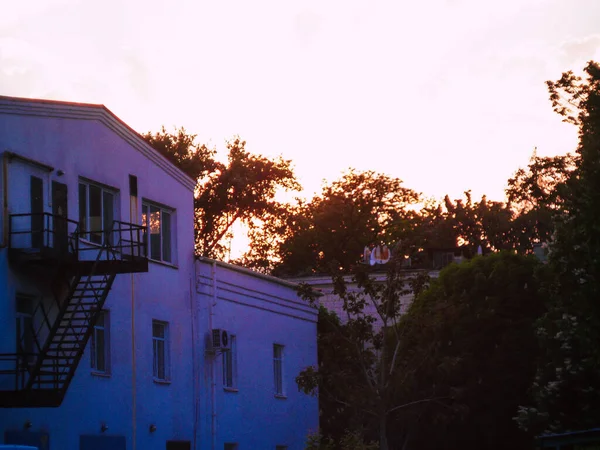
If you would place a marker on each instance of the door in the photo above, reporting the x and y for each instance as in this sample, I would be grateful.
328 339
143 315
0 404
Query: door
59 217
37 212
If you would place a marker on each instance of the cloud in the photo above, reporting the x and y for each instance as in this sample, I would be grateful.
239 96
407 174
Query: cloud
575 52
307 25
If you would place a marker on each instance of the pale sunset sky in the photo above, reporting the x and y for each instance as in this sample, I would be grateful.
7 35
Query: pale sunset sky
448 95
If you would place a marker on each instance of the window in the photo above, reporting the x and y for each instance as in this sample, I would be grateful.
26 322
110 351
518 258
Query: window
101 344
157 221
160 349
230 364
25 333
278 368
230 446
96 212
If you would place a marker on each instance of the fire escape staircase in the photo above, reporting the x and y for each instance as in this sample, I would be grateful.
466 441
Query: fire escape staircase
62 329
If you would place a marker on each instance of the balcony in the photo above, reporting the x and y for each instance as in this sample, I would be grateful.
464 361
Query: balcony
46 239
42 237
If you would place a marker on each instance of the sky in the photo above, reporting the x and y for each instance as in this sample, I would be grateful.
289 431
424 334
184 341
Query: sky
448 95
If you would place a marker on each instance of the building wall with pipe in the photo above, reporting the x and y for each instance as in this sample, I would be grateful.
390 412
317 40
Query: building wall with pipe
64 143
127 407
259 311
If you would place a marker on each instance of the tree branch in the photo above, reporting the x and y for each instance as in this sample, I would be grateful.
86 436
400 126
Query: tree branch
433 399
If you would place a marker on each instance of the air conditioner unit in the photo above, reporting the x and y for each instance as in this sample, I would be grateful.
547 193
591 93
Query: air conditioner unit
220 340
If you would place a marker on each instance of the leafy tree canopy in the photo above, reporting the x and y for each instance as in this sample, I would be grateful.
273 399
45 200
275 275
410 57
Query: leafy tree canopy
566 388
361 208
469 341
243 189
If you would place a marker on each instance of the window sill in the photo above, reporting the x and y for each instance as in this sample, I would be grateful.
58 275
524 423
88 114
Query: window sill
163 263
159 381
100 374
281 396
230 389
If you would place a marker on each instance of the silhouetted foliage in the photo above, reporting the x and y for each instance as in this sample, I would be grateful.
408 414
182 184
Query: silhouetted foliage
566 387
358 369
469 339
242 189
359 209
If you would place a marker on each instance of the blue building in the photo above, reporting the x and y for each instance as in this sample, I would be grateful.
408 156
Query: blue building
106 329
272 337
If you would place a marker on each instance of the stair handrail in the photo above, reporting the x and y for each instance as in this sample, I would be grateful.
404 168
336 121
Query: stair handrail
44 353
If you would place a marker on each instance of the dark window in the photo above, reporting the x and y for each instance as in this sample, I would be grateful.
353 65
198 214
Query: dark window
37 210
96 212
158 222
160 350
230 364
133 186
100 344
278 368
25 332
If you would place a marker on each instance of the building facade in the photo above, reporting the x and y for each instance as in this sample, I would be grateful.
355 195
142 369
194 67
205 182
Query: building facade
255 403
103 329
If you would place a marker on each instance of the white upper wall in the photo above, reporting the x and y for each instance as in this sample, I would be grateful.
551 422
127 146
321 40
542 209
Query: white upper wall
72 140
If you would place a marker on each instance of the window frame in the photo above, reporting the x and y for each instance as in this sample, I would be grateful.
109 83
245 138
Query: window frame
162 209
156 375
230 381
85 232
24 326
279 370
105 328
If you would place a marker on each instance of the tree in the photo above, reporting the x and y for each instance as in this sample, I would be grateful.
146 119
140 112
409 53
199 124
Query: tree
468 224
469 339
566 388
241 190
536 195
358 357
180 147
357 210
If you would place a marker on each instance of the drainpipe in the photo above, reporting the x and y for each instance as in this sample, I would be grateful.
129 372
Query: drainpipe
195 381
5 200
213 383
133 366
133 219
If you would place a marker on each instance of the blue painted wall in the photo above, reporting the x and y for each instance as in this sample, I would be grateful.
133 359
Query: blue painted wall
88 141
91 143
259 311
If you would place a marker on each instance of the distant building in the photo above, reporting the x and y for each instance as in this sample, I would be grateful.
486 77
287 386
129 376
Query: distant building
106 319
429 261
